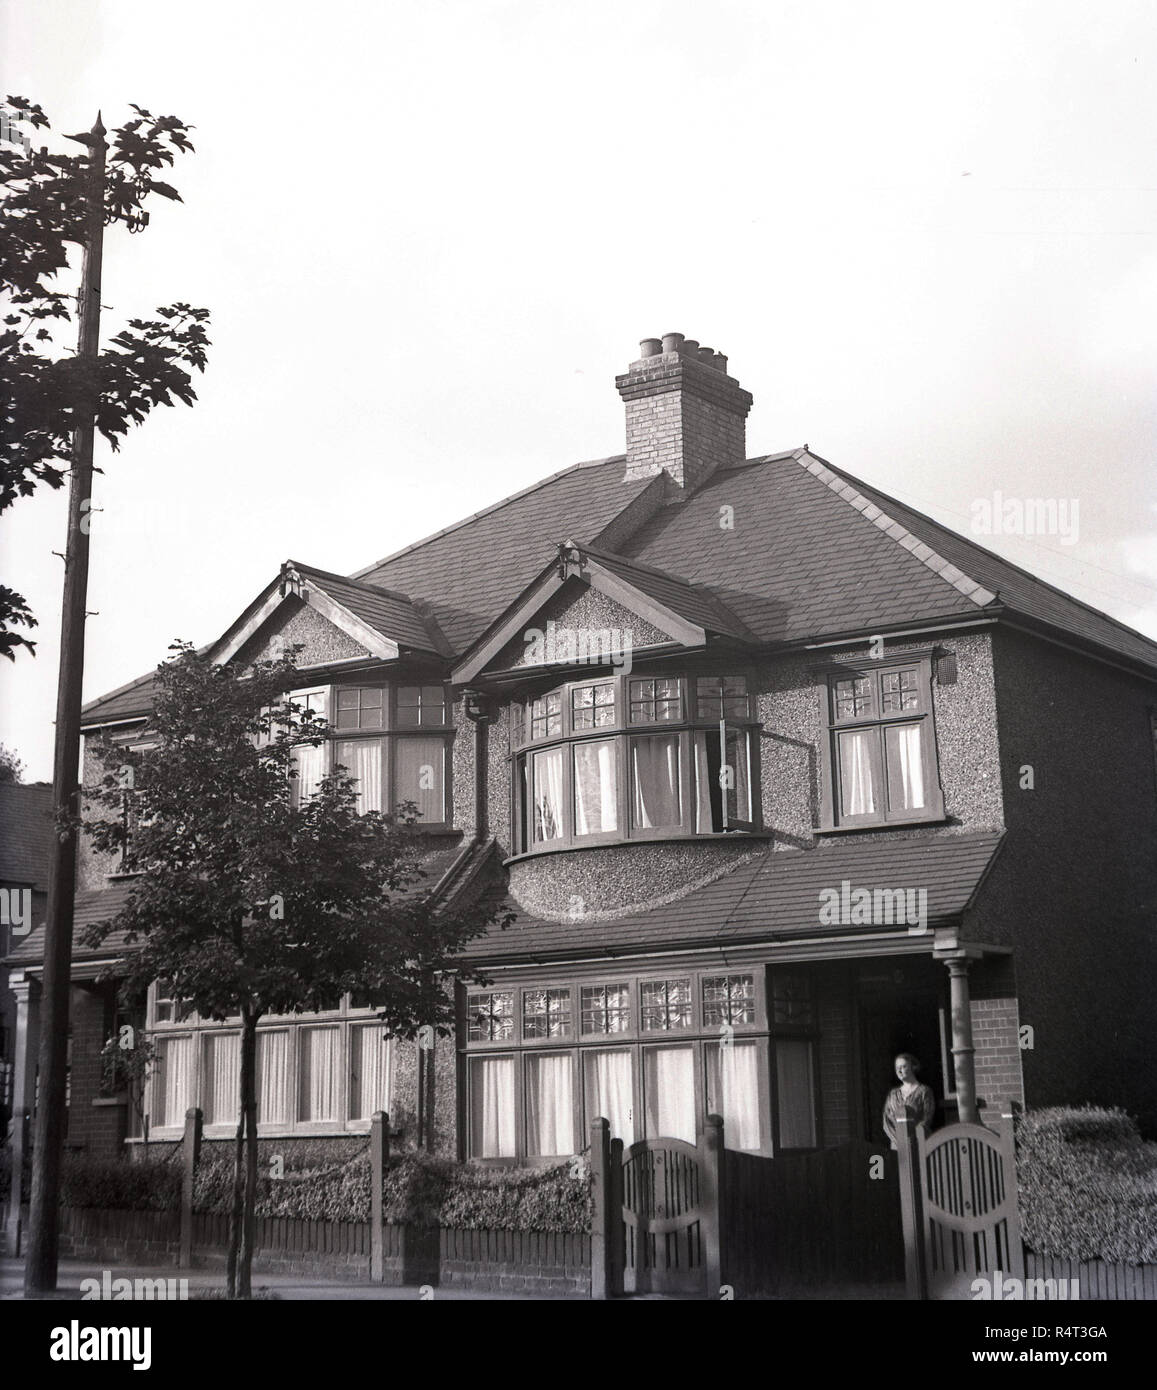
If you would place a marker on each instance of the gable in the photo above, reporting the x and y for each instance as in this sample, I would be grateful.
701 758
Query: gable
577 618
296 622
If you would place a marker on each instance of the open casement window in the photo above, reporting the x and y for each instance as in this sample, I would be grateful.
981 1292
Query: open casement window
632 757
882 763
654 1056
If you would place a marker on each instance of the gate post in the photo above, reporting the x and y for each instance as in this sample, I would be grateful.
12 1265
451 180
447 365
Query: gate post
602 1210
618 1245
190 1157
379 1159
712 1200
912 1208
1006 1129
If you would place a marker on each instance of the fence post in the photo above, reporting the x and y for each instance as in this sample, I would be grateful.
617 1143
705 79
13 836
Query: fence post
602 1281
379 1158
190 1157
911 1208
712 1199
1006 1129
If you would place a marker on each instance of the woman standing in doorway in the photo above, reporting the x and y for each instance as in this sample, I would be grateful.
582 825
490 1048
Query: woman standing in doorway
910 1099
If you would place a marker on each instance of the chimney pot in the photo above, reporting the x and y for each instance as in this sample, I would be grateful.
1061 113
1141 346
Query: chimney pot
690 347
672 342
720 362
650 347
707 355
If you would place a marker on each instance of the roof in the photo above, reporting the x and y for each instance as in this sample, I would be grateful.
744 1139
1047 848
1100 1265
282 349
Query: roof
392 614
26 832
775 896
694 602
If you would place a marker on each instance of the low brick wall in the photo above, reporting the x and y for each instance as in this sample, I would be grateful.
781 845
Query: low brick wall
1099 1281
515 1261
518 1261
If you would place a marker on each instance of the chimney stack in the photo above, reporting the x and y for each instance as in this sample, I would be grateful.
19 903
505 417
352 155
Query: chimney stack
685 415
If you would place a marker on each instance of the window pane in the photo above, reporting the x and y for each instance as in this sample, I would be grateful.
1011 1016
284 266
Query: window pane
728 999
421 705
309 764
596 807
665 1004
791 1000
492 1133
857 795
656 701
606 1009
176 1078
721 697
273 1078
550 1104
222 1078
420 775
669 1083
546 1013
905 766
546 716
362 758
592 706
853 698
899 690
608 1092
360 708
490 1016
548 795
733 1092
369 1071
317 1051
797 1118
655 781
721 785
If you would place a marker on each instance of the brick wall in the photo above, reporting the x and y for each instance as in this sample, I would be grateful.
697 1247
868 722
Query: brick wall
995 1037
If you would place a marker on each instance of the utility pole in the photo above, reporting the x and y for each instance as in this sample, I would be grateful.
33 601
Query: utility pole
51 1115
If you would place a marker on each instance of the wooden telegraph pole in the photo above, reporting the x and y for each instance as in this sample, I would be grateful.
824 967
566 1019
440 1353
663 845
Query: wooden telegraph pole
51 1115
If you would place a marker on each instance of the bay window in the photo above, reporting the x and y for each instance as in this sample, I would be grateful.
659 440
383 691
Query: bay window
882 765
653 1055
677 755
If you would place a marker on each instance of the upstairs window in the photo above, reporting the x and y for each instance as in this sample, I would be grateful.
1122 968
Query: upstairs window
882 763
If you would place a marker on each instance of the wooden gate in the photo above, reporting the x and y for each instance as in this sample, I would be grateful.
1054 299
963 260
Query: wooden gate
958 1198
656 1218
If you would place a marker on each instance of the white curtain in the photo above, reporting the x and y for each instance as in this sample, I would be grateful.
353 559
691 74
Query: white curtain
669 1081
492 1107
362 758
550 1104
369 1071
317 1073
176 1080
548 795
797 1116
273 1078
733 1092
595 802
856 794
310 764
704 821
655 780
607 1081
419 775
905 766
222 1078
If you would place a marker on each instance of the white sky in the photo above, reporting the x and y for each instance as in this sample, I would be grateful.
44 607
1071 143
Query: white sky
431 233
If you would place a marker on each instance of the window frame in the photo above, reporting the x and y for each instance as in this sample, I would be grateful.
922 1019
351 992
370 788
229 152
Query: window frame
876 722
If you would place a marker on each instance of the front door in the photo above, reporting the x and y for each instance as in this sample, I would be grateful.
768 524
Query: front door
897 1015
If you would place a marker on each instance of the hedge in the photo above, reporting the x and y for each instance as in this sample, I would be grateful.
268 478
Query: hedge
110 1183
1088 1185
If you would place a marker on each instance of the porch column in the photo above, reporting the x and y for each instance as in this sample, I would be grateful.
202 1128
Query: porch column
963 1058
27 1050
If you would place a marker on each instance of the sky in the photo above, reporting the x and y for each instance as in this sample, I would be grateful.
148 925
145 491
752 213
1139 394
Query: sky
431 233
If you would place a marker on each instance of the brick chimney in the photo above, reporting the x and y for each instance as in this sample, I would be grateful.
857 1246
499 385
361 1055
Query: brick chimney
685 415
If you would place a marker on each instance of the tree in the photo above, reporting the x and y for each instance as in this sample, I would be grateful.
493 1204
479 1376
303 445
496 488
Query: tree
45 391
11 767
252 900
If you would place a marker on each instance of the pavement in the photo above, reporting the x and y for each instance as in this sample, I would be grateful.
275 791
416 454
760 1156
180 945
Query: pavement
289 1287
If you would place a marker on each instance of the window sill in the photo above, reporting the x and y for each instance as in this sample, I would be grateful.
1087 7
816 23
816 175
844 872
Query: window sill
716 837
877 826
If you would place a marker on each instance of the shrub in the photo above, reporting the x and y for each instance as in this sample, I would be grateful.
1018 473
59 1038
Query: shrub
1088 1185
320 1181
114 1185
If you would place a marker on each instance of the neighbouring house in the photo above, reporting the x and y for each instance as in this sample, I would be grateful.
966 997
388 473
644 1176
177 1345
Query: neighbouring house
783 778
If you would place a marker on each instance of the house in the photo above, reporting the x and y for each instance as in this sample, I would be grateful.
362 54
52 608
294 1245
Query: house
782 777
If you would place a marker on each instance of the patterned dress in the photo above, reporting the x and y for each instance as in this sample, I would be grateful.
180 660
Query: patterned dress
919 1105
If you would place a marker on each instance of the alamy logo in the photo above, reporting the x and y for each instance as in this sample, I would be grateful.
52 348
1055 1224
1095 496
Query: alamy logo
1027 516
108 1288
1000 1287
76 1343
579 646
846 906
16 910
